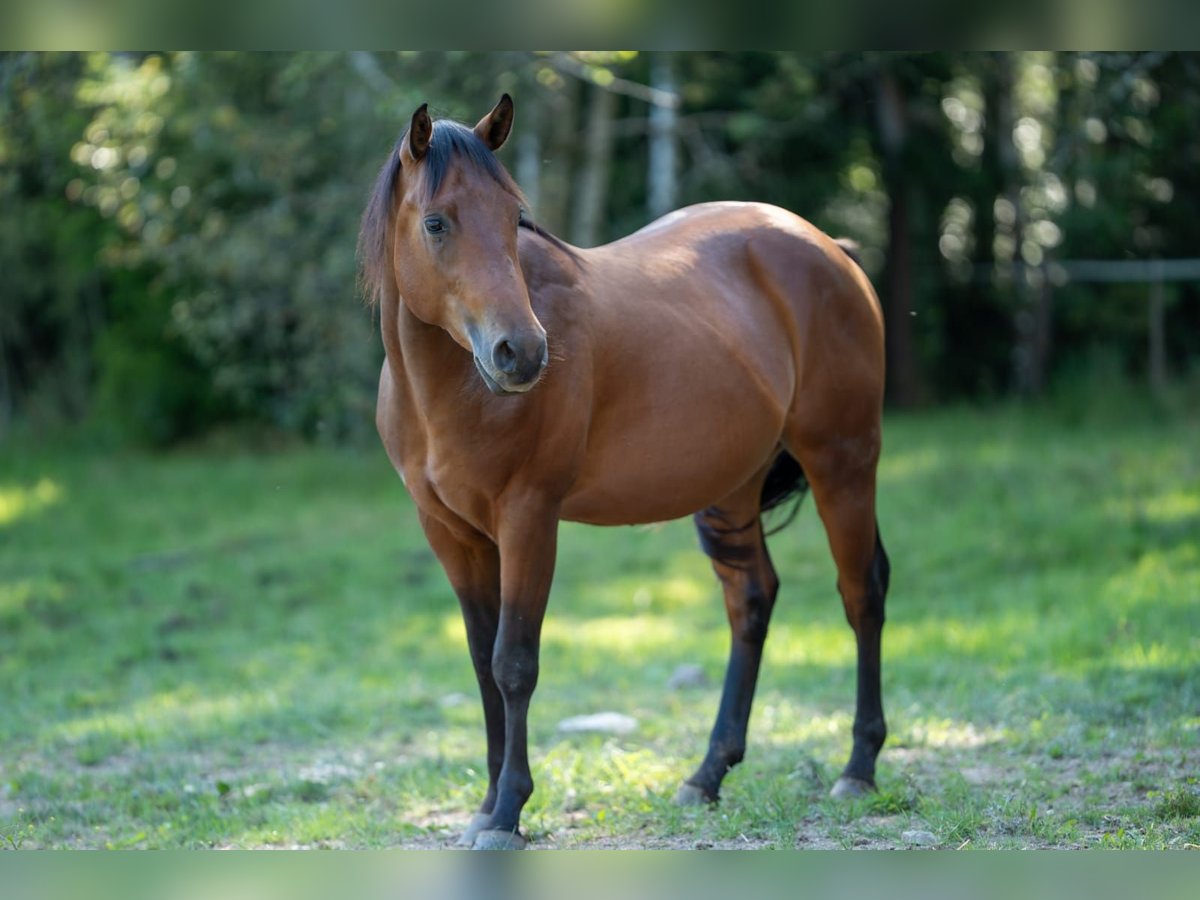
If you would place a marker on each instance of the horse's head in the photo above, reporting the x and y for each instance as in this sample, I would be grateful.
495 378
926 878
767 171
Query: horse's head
456 214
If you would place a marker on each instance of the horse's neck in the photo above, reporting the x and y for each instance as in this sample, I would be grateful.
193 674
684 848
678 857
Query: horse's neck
423 358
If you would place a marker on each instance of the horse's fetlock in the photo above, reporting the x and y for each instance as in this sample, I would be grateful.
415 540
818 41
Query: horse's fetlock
872 733
518 784
730 753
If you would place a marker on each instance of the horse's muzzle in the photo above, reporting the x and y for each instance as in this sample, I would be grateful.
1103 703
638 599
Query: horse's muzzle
514 365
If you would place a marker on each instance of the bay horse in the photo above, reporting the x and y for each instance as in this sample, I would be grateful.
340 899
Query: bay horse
714 363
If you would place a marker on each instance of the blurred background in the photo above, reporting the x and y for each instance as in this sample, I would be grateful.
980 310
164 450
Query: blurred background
220 622
178 232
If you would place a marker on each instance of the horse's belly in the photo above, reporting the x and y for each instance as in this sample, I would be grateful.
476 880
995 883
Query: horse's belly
664 470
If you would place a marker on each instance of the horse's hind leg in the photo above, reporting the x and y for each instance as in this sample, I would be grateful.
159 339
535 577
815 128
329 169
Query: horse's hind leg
731 534
844 490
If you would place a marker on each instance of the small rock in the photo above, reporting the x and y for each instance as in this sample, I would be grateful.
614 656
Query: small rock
601 722
688 675
920 838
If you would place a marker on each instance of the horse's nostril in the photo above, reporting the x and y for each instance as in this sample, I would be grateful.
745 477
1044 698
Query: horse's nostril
505 357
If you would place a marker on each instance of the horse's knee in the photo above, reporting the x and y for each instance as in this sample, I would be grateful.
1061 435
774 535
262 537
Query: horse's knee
515 670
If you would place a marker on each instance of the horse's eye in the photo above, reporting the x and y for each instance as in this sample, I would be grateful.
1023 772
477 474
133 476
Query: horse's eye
435 225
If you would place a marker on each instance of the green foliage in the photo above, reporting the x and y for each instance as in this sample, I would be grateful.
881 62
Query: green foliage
179 228
1180 802
151 387
236 179
50 295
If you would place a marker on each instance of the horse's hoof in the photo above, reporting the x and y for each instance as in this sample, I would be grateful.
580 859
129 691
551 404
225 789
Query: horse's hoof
690 795
478 821
850 788
498 839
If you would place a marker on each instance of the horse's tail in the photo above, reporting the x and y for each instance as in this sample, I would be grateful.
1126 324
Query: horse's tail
785 482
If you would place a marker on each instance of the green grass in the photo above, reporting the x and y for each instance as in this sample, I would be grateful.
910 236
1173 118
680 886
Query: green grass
213 649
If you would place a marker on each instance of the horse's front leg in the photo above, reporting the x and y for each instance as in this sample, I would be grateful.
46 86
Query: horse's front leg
527 532
472 564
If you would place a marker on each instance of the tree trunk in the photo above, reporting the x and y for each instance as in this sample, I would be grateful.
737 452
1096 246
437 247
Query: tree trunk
529 149
593 176
1031 316
554 185
990 184
661 176
892 122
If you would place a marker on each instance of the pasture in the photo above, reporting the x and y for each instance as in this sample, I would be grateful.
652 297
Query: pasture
217 648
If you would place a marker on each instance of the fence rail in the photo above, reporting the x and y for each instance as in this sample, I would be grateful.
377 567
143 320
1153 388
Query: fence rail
1153 272
1129 270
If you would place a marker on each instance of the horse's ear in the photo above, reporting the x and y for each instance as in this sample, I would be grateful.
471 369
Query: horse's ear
493 128
419 133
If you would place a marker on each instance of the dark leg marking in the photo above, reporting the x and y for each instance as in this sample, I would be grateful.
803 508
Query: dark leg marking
743 565
865 612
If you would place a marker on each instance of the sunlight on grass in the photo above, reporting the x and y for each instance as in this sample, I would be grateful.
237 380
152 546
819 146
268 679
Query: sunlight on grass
671 593
783 723
1155 655
591 634
950 733
17 502
1159 576
1172 507
901 465
14 595
454 631
1161 509
948 635
687 582
612 634
170 711
812 644
607 769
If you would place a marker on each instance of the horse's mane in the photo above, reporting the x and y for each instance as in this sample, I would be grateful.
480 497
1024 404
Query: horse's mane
450 142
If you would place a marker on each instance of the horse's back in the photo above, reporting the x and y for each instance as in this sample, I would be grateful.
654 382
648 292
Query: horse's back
744 252
774 279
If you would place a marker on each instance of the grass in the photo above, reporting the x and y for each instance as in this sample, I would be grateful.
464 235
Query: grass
212 649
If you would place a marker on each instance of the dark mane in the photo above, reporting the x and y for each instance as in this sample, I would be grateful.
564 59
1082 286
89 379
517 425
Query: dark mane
451 141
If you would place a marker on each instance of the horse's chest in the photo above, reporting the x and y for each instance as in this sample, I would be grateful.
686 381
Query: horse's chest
445 482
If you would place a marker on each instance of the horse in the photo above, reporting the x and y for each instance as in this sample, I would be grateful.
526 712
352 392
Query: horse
721 360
